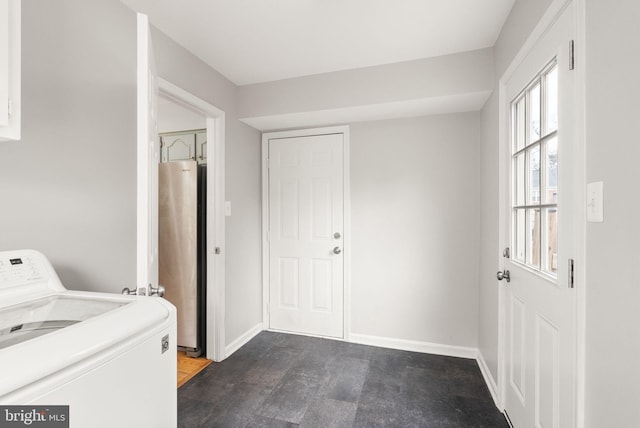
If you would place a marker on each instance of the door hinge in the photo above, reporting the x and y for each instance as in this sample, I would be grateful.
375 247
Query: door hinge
571 273
572 53
506 253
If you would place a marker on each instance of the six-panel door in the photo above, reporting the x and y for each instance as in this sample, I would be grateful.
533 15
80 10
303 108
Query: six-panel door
305 234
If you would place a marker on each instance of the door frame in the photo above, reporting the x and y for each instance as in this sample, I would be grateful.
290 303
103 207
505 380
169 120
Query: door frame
215 119
346 171
579 189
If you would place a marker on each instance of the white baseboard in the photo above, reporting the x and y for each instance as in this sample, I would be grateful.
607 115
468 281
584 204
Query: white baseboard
242 340
415 346
488 378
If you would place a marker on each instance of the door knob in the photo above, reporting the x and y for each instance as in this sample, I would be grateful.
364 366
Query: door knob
503 275
126 291
156 291
337 250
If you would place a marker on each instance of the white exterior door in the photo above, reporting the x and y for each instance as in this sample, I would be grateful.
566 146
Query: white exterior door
148 157
540 224
306 228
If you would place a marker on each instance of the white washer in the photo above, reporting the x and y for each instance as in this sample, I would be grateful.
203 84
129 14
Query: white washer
110 358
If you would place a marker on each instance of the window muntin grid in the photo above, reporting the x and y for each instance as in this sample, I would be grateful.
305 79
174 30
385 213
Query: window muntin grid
534 172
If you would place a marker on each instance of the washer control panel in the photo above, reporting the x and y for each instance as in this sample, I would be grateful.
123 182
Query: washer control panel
18 269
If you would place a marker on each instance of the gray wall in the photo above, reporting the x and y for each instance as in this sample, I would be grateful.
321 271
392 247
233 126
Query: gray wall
244 232
68 187
174 117
414 220
613 291
442 76
523 17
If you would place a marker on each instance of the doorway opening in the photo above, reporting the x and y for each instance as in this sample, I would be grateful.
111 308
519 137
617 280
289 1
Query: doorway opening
189 118
182 255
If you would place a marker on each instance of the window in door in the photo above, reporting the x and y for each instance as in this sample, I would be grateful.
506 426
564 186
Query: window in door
534 172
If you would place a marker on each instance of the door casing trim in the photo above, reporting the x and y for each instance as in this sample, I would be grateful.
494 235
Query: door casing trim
344 130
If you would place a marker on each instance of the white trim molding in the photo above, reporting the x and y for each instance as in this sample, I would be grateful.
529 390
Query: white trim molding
344 130
215 340
415 346
242 340
488 378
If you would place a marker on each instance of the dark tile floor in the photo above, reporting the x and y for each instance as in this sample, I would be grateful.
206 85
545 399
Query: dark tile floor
282 380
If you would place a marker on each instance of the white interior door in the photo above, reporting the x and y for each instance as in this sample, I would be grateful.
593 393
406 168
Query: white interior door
306 228
539 303
147 162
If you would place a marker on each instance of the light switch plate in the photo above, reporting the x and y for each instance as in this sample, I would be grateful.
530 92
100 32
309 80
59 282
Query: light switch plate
595 202
227 208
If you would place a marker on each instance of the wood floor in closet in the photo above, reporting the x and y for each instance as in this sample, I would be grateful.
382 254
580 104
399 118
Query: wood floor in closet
188 367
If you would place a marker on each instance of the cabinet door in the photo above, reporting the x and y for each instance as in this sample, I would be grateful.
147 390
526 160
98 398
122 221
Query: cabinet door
4 62
178 147
201 146
9 70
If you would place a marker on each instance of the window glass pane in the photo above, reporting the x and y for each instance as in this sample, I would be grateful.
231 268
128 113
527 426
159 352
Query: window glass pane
551 240
533 237
533 175
534 114
551 102
520 174
520 231
551 165
520 124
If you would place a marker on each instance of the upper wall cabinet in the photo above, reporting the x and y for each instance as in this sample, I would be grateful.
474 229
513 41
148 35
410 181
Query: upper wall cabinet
10 70
184 145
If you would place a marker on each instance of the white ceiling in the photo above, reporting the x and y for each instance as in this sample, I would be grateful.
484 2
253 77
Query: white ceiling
251 41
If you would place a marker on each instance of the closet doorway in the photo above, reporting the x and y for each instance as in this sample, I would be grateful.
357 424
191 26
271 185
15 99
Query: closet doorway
192 144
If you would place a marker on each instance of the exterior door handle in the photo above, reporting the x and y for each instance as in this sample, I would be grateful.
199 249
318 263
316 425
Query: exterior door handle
336 250
503 275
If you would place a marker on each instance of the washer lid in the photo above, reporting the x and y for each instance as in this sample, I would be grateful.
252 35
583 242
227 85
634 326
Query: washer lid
28 320
130 322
